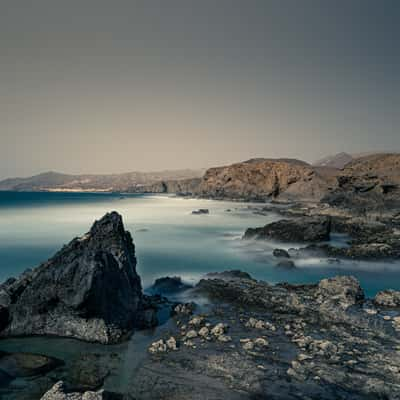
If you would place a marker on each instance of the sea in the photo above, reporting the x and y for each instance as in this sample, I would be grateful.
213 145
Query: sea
170 241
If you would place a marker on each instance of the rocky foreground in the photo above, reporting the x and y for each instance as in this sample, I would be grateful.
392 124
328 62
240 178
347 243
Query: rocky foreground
253 340
228 337
89 290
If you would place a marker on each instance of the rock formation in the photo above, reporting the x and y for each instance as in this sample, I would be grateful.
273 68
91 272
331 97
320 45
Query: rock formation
305 229
262 179
370 183
89 290
262 341
59 392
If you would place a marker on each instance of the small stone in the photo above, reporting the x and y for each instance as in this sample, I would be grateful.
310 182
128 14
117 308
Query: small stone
224 338
158 347
197 321
261 342
204 332
248 346
219 329
191 334
171 343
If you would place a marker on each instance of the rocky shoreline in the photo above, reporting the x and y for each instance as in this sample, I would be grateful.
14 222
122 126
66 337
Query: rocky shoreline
253 340
228 336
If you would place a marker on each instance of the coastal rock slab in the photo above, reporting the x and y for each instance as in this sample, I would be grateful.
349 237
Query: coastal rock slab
89 290
305 229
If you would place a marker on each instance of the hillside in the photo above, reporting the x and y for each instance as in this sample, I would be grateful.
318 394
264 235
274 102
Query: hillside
53 181
262 179
338 161
369 182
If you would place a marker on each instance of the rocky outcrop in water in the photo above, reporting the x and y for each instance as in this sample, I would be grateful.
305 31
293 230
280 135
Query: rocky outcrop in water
305 229
89 290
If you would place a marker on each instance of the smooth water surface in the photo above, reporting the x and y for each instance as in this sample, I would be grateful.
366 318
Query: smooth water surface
169 239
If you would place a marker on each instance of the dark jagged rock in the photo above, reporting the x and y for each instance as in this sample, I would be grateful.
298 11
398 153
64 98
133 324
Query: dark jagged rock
228 275
89 290
168 285
280 253
305 229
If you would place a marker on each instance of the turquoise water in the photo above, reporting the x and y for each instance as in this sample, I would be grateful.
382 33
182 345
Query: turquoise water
169 239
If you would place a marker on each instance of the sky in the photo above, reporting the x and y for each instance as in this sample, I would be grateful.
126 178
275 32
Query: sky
94 86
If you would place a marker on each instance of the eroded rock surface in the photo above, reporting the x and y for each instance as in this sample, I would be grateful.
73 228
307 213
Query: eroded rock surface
322 341
305 229
89 290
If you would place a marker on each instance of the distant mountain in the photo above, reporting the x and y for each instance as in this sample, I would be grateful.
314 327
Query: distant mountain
335 161
130 181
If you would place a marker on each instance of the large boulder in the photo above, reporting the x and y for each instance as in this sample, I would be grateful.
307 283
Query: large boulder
305 229
340 292
89 290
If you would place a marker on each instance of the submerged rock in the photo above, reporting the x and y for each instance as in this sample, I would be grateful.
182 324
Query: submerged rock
89 290
201 211
286 264
280 253
305 229
19 365
169 285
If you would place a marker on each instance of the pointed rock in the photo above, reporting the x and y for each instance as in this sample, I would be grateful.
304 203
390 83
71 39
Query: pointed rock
89 290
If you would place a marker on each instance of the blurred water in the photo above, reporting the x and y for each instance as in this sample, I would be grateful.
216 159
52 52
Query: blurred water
168 238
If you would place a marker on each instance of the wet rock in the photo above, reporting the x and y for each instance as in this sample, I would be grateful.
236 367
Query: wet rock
89 371
197 321
191 334
259 324
27 364
219 329
228 275
185 309
342 291
224 338
325 346
280 253
286 264
305 229
171 343
201 211
59 392
158 347
168 285
204 332
89 290
388 298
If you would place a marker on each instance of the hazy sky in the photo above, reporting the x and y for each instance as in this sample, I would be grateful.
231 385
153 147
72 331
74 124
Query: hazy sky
111 86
